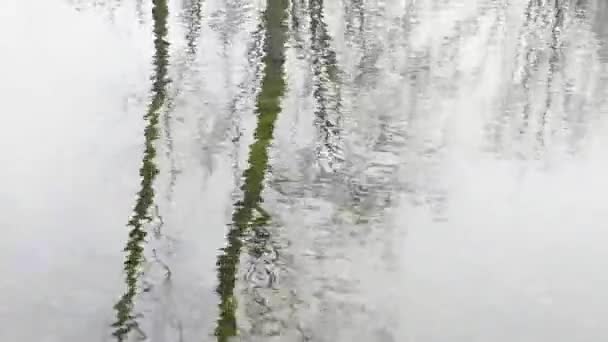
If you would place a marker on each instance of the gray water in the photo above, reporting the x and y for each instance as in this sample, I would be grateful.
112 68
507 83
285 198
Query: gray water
353 170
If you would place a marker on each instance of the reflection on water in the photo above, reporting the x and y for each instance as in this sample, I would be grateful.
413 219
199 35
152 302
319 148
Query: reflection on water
315 170
601 15
192 16
326 87
550 95
248 214
125 317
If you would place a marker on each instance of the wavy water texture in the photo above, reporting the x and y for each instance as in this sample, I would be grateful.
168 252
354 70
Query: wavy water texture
126 319
326 88
192 13
312 170
244 217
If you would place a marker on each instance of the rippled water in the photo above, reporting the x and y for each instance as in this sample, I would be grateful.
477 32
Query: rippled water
354 170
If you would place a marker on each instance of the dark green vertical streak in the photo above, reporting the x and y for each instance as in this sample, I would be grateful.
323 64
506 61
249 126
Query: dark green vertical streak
267 109
125 318
325 72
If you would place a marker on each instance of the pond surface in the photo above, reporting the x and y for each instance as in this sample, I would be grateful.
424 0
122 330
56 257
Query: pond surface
352 170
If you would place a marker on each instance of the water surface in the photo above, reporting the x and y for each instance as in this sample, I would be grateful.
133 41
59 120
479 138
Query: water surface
354 170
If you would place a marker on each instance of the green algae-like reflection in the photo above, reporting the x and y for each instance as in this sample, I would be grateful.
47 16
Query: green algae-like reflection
268 108
125 318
